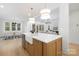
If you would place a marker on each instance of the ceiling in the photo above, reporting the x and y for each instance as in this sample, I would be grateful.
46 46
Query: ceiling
22 10
73 7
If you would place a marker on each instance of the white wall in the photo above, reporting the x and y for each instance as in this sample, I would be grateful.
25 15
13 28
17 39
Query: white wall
1 26
74 27
24 26
64 25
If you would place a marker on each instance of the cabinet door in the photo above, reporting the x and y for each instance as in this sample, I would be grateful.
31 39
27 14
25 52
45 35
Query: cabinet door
37 48
23 40
26 45
45 49
49 49
30 49
59 47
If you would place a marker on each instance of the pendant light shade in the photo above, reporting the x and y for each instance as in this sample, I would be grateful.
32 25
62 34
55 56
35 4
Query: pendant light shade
45 13
32 20
45 16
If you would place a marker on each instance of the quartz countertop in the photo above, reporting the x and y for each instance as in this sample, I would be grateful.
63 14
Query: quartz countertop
43 37
46 37
28 37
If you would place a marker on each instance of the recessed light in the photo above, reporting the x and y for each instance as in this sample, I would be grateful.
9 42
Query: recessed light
1 6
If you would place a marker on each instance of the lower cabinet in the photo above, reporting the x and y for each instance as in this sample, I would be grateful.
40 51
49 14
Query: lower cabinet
38 48
29 48
49 49
26 46
53 48
59 47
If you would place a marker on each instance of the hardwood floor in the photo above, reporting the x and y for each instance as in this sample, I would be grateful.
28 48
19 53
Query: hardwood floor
73 49
12 48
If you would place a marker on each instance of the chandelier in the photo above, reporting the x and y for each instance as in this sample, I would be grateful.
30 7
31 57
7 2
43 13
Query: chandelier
45 13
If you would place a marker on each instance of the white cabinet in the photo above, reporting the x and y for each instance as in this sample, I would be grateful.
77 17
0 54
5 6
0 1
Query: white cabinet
40 27
36 27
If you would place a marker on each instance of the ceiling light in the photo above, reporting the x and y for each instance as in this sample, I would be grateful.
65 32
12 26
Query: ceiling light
1 6
32 20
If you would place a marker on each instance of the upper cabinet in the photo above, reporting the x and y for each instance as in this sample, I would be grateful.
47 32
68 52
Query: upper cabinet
38 27
42 27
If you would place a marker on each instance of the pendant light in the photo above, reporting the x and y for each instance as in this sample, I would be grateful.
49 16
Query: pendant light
45 13
31 18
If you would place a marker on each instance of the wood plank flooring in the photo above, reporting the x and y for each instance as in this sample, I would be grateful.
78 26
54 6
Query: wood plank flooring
12 48
73 49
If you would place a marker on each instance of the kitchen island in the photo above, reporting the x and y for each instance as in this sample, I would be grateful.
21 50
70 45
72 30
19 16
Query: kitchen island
43 44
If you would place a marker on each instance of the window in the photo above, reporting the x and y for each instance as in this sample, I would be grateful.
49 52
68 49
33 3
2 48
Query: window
7 26
18 26
13 26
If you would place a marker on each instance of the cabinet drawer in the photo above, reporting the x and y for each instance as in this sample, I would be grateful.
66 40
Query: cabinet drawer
49 49
26 45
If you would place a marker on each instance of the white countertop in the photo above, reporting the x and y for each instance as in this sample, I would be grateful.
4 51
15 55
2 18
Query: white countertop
28 37
46 37
42 37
